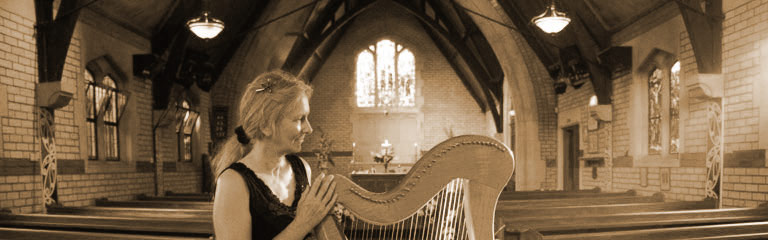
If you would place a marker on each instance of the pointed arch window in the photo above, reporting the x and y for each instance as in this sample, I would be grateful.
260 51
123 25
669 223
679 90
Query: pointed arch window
90 112
105 104
674 108
385 76
654 110
110 117
187 118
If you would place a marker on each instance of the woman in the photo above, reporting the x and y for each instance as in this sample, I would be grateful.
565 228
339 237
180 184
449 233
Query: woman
261 190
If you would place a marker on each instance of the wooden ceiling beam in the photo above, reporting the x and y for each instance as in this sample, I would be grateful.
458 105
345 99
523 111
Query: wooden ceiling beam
256 10
589 49
313 65
584 16
705 28
451 55
485 54
464 51
174 24
54 37
546 54
307 42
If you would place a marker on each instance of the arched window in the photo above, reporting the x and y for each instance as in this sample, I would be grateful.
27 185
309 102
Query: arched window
111 133
674 108
654 110
90 112
105 104
386 76
186 123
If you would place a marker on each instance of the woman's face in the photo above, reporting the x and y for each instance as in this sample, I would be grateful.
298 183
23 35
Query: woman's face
293 127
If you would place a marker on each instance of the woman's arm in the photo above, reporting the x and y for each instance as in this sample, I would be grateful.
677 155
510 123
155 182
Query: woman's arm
231 218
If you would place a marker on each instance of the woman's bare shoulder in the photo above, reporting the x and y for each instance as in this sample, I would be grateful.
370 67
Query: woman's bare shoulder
230 186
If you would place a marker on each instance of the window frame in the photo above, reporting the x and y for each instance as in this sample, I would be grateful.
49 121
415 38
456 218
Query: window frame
665 129
185 149
91 115
112 111
377 104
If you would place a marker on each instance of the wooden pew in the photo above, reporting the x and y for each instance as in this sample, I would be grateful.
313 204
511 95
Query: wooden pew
131 225
192 198
172 193
156 204
200 214
603 209
562 194
21 233
538 203
747 230
566 225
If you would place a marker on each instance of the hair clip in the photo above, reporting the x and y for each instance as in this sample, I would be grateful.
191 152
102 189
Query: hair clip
266 87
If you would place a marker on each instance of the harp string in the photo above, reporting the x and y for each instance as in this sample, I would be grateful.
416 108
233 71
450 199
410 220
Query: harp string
442 217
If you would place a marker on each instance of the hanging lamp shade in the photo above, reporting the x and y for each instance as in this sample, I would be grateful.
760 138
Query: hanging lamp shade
205 27
551 21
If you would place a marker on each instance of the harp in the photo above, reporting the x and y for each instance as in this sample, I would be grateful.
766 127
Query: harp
450 193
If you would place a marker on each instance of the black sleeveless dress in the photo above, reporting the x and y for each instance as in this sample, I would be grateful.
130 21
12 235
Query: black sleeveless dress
269 216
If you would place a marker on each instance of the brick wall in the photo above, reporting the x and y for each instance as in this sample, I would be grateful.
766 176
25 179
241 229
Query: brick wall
745 187
82 189
80 181
18 77
744 34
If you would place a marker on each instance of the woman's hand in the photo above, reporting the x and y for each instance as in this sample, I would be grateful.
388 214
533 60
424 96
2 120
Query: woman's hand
315 202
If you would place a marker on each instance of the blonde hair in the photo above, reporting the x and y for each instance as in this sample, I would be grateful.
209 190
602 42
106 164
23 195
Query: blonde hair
264 102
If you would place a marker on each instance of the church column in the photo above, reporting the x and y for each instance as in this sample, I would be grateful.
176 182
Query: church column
53 39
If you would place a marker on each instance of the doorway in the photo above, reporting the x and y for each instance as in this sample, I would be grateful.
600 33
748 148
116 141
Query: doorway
571 158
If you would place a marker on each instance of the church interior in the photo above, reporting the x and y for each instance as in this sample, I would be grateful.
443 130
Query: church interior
593 119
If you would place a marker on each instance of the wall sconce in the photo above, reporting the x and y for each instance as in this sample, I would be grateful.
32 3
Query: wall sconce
598 112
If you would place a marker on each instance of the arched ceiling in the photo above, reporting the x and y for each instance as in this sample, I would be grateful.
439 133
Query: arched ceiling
178 56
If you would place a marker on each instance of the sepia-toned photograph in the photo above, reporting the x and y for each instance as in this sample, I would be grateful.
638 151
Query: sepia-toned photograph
383 119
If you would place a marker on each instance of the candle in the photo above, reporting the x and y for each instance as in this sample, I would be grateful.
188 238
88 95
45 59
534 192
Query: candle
416 153
353 151
386 144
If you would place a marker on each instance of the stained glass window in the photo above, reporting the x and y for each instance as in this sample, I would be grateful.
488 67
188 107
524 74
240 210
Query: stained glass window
110 117
674 108
186 123
386 76
654 111
90 118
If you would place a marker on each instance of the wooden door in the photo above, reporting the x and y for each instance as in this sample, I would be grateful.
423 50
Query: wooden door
571 158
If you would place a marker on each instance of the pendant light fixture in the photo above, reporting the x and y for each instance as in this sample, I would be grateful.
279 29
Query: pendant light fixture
551 21
205 27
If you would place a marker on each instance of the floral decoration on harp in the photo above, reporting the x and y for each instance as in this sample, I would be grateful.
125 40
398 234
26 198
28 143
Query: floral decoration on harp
323 153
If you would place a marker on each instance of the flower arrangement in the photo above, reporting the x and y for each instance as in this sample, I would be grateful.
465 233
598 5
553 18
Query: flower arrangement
386 155
323 153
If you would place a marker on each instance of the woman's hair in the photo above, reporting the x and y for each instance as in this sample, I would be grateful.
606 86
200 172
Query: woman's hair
264 102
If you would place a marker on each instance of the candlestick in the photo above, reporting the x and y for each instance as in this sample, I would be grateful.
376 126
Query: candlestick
417 152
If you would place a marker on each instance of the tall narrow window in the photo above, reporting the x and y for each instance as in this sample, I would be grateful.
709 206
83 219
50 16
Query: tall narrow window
674 108
386 76
90 115
654 111
186 123
111 134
